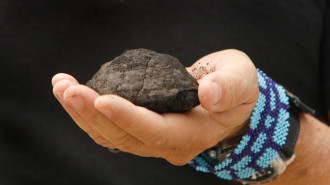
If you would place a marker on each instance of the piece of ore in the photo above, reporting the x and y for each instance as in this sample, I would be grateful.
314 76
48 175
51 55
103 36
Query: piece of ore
149 79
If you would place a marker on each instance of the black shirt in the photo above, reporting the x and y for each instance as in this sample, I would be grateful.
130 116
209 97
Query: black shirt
40 144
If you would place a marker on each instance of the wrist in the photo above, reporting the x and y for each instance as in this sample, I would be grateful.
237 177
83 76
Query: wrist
268 145
311 165
313 141
308 133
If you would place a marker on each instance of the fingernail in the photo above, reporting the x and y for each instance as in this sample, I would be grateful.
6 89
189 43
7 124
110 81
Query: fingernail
76 102
216 93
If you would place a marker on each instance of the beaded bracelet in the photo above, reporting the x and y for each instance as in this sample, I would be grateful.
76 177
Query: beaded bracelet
261 144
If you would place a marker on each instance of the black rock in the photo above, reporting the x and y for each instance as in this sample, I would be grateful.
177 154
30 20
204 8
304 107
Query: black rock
149 79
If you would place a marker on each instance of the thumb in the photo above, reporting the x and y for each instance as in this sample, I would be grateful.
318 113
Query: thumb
233 82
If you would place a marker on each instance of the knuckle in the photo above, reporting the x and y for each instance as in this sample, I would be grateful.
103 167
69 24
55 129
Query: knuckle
101 141
104 144
122 139
92 117
125 143
125 147
236 52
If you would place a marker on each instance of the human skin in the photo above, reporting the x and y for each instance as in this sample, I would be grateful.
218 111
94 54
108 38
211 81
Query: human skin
312 163
228 91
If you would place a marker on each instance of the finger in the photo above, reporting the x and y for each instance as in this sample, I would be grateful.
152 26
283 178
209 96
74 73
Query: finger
188 69
167 130
82 99
62 76
144 124
59 88
234 82
201 68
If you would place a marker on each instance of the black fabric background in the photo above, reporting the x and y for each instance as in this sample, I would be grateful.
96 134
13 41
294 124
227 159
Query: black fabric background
40 144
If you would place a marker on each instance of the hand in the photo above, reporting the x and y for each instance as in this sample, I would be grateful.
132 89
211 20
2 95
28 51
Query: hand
228 91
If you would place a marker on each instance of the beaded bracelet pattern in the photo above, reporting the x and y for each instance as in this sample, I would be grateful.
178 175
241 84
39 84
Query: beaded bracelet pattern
264 139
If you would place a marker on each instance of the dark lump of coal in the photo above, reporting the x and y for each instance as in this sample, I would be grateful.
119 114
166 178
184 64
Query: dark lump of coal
149 79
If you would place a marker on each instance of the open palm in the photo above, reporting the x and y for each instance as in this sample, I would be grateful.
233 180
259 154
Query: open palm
228 91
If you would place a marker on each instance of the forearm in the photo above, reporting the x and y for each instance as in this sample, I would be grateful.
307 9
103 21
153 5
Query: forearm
312 164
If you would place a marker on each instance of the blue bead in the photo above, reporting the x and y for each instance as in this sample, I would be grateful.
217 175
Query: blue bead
242 144
272 109
246 173
259 142
242 163
224 174
267 158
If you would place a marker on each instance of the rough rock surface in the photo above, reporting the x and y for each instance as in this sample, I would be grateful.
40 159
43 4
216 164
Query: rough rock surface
153 80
